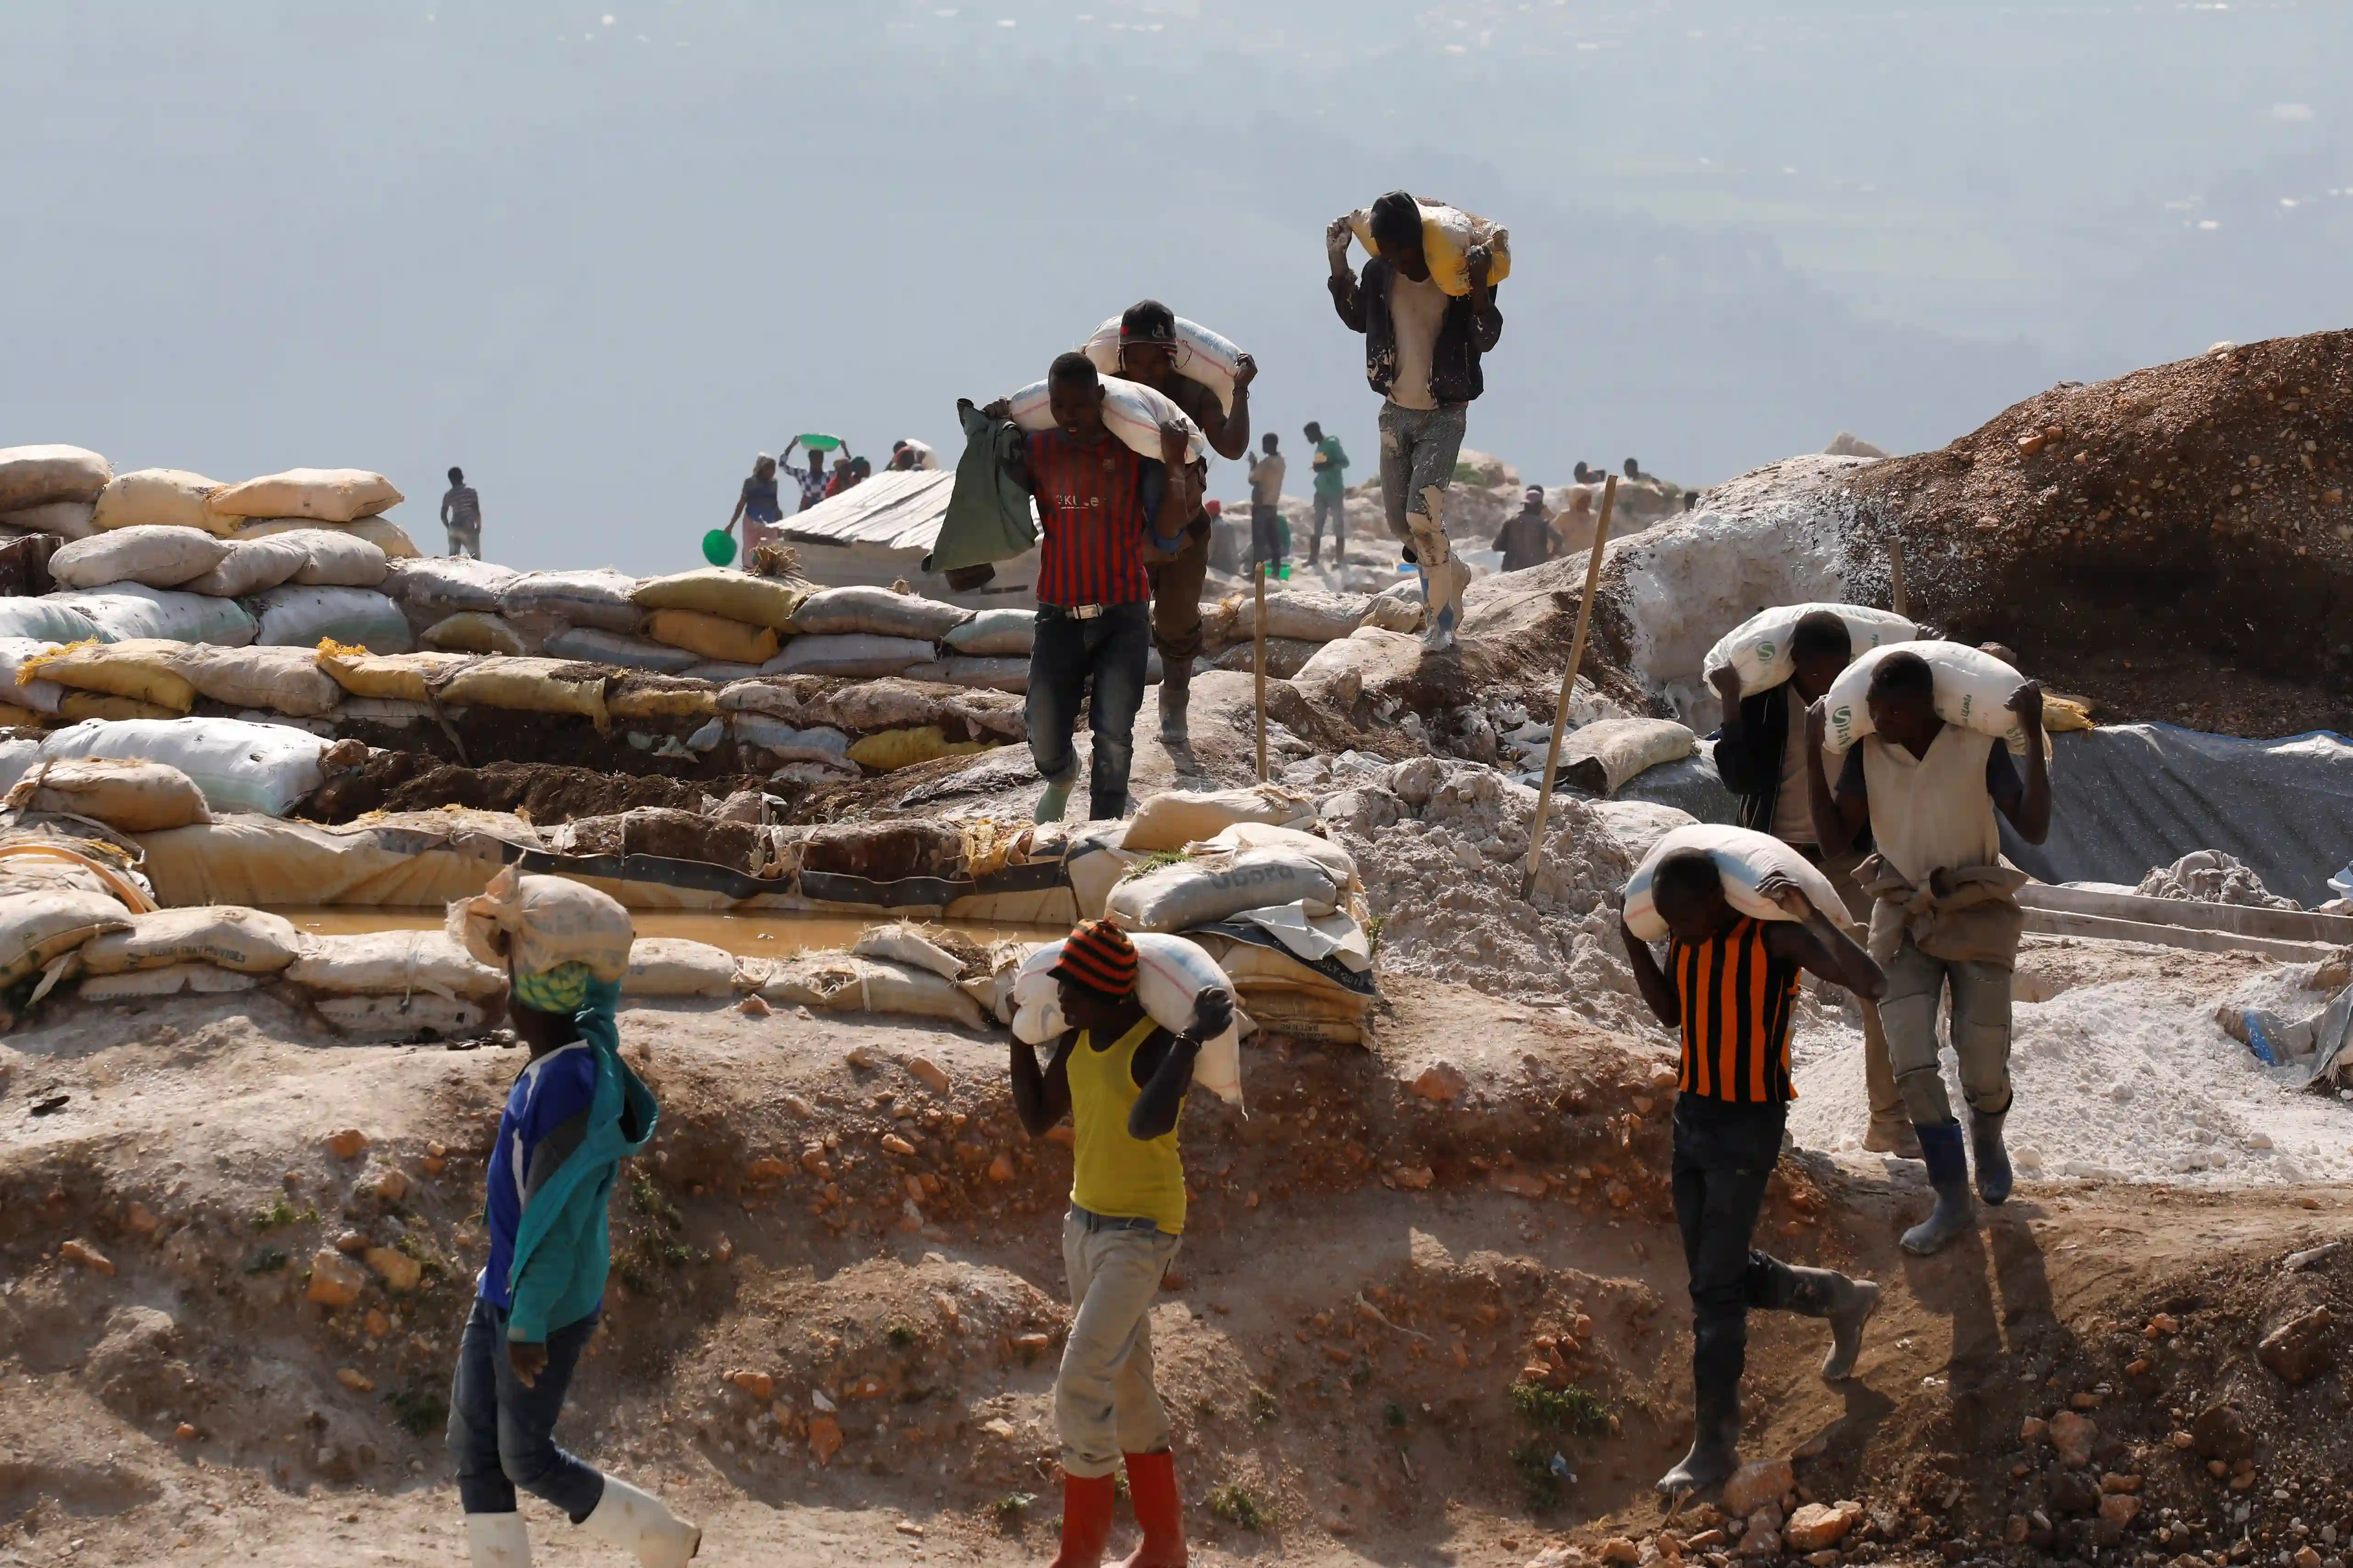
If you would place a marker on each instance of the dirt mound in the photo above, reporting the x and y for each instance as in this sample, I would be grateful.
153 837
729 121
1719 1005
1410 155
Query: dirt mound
545 793
2176 544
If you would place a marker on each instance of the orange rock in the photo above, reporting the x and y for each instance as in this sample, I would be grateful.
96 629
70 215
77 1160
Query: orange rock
758 1385
825 1439
1817 1526
2111 1482
335 1280
1412 1178
143 1219
1760 1482
390 1183
1440 1081
813 1161
2119 1509
89 1256
357 1382
184 1432
348 1145
934 1076
768 1168
433 1164
755 1006
379 1325
1062 1133
400 1271
894 1143
1519 1184
1000 1170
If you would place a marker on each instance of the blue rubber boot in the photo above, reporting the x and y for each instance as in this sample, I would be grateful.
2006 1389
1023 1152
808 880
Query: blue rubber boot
1948 1174
1992 1160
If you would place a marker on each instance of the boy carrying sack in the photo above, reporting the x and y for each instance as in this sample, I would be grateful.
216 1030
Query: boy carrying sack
574 1113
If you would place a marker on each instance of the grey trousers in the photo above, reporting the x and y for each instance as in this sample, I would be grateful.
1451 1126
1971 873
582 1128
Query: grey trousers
1916 984
1419 448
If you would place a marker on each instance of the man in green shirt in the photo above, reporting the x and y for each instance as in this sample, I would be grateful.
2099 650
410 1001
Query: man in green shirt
1331 494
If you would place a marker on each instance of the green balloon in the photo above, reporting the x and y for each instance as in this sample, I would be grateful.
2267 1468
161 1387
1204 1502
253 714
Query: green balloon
719 547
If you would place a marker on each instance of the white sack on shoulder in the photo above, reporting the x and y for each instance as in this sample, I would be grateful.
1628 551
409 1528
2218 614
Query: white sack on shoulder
1743 859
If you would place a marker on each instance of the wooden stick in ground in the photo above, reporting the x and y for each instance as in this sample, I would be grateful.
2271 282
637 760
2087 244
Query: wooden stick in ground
1896 597
1567 686
1258 635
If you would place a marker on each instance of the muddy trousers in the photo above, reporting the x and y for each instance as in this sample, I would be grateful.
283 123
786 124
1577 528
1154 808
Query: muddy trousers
1104 1402
1113 648
1724 1155
1917 985
502 1434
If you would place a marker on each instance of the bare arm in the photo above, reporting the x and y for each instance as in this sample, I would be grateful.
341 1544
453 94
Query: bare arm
1666 1005
1182 498
2029 812
1816 944
1042 1098
1227 430
1347 295
1838 818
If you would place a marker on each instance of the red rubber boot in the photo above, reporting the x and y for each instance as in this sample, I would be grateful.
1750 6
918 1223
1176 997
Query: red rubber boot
1152 1486
1087 1504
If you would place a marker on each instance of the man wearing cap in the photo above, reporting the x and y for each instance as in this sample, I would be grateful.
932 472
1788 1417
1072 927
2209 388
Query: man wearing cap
1121 1078
1147 354
574 1113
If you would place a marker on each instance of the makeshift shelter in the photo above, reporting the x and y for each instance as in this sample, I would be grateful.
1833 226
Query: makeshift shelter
880 531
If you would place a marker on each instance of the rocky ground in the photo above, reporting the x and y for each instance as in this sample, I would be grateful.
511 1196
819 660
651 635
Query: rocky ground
1429 1304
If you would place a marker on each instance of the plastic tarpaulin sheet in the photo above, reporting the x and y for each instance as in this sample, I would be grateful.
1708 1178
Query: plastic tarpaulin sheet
2127 797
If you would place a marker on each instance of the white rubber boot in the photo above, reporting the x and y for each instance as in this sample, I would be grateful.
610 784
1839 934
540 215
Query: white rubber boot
628 1518
497 1541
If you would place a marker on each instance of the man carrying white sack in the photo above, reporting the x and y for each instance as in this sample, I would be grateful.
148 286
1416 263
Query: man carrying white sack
1757 762
1121 1078
1421 354
574 1113
1947 919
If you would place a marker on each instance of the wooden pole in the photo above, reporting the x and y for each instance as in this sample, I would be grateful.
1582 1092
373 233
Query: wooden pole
1897 596
1568 685
1257 636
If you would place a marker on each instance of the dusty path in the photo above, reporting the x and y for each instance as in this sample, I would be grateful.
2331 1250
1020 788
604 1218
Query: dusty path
1367 1274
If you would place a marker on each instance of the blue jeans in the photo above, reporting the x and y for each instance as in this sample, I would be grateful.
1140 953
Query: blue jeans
1113 648
502 1434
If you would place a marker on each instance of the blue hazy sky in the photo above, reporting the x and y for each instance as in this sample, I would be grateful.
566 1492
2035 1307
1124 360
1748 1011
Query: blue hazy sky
600 254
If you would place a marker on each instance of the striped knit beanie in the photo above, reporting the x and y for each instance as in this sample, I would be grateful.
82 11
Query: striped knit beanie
1099 956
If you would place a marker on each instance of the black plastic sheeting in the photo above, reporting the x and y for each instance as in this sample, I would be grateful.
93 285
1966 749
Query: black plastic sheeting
2127 797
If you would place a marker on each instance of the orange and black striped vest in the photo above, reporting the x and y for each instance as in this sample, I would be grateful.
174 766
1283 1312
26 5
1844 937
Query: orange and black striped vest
1737 1001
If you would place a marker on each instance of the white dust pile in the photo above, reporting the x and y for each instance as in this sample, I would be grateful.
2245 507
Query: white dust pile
2210 877
2124 1081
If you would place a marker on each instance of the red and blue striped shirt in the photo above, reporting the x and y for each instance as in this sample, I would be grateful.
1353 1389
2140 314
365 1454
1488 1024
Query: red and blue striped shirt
1091 506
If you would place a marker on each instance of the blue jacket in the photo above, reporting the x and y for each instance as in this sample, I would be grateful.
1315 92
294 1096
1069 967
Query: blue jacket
573 1116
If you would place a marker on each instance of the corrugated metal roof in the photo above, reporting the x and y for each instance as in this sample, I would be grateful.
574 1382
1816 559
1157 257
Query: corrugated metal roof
899 510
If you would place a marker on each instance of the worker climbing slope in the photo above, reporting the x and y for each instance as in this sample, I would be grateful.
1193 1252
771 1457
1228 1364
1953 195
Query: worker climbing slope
1421 354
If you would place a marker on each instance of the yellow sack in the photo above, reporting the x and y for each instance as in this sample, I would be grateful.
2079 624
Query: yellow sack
640 697
891 750
1447 234
81 705
142 668
528 686
172 497
397 677
382 532
716 638
323 495
124 792
2061 714
722 591
472 631
15 718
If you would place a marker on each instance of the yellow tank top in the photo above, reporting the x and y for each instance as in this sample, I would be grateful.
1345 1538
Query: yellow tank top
1115 1175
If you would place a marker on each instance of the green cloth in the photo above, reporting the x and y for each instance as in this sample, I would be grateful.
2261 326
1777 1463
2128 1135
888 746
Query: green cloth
562 989
1328 481
563 1245
988 517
